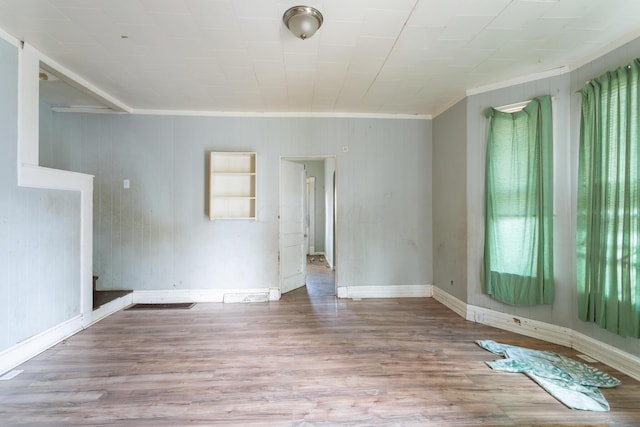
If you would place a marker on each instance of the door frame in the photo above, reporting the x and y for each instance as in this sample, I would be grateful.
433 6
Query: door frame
311 214
334 189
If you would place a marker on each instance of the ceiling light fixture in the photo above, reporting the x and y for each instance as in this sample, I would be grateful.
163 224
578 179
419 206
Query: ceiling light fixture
47 76
302 21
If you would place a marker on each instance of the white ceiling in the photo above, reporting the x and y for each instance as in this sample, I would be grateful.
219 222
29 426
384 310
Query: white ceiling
370 56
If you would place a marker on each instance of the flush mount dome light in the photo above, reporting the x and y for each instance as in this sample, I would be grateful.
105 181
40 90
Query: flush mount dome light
302 21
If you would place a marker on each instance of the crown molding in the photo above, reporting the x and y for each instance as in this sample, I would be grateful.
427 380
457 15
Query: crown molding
520 80
204 113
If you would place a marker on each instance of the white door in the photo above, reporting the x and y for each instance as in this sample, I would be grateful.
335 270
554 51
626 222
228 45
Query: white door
293 260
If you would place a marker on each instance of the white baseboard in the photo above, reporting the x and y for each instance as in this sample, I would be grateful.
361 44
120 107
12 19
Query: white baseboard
622 361
607 354
521 325
237 297
35 345
206 295
111 307
31 347
403 291
451 302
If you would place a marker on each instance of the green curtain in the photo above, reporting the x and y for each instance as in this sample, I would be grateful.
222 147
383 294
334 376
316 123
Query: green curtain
518 248
608 229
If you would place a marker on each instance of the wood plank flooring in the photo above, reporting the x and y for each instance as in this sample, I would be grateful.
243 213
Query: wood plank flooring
301 361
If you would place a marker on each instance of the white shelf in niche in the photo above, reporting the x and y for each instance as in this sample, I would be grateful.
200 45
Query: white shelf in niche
232 185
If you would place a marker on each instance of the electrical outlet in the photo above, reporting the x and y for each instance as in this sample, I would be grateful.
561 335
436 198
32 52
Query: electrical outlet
126 184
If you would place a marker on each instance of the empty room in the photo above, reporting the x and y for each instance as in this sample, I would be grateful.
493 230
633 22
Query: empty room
369 212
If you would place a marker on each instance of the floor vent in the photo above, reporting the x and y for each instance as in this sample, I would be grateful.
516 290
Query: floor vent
169 306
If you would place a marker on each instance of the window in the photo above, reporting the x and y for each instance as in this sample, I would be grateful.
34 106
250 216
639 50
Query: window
518 251
608 228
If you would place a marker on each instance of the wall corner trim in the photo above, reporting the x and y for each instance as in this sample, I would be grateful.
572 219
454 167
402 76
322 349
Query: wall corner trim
622 361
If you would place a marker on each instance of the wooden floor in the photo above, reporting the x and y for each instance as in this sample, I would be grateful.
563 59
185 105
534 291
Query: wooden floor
307 360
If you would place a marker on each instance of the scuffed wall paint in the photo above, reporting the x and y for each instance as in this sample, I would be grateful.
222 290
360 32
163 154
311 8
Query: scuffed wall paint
156 235
39 234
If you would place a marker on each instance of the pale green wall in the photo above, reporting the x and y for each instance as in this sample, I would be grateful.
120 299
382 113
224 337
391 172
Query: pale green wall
39 234
450 201
156 235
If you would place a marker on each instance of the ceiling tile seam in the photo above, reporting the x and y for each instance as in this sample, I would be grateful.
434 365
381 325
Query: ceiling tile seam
395 42
374 86
621 41
253 68
487 26
339 94
489 23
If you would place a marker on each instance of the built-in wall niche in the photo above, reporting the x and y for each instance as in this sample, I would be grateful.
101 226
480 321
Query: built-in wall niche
232 185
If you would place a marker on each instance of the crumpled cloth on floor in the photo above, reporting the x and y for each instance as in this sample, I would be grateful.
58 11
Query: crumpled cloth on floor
572 383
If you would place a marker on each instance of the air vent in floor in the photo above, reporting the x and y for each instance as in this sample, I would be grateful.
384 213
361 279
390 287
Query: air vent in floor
167 306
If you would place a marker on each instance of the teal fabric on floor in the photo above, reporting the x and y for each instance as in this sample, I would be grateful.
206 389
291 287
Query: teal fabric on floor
572 383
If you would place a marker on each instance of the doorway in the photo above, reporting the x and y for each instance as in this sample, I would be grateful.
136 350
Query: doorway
320 279
307 226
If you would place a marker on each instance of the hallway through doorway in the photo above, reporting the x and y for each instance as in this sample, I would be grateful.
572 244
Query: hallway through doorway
319 284
320 277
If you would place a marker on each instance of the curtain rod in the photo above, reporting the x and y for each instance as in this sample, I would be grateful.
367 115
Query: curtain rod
512 108
517 106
